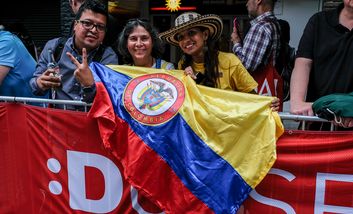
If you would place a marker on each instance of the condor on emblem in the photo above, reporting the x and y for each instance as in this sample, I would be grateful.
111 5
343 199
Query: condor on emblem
154 99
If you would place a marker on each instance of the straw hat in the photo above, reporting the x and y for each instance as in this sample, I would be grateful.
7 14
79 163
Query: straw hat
191 19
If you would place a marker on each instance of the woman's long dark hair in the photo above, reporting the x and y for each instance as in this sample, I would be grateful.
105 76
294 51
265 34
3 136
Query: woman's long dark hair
210 50
157 44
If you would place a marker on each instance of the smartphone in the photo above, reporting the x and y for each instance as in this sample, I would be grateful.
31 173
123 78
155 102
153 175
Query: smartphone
235 23
52 64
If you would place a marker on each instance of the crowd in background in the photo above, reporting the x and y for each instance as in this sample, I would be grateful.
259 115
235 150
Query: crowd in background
259 59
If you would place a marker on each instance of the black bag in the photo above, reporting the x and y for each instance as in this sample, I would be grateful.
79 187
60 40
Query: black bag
288 59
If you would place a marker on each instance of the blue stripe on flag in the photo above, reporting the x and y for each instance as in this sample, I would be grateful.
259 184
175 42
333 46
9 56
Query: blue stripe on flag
213 180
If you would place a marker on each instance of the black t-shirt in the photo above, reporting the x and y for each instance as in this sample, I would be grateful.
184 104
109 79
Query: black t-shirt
330 46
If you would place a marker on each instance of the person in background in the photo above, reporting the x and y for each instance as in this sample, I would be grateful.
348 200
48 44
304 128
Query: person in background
324 61
197 37
263 38
261 46
70 84
139 45
16 66
22 33
75 5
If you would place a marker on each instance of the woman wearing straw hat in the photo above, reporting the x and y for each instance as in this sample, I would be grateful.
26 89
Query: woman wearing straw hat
140 45
197 37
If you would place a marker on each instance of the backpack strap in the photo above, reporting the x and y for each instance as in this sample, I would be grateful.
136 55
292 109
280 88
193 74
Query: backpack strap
59 48
99 54
279 64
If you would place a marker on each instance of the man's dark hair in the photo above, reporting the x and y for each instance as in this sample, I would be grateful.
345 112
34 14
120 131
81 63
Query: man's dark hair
157 44
95 6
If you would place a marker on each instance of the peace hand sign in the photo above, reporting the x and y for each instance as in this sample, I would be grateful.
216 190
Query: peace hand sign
82 73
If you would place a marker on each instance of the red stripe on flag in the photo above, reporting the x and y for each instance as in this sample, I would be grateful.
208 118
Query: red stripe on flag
143 167
169 193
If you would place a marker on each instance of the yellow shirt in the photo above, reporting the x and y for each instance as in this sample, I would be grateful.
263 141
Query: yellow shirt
233 75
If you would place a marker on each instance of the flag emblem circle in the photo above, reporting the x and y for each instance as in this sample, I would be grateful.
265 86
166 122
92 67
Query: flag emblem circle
154 99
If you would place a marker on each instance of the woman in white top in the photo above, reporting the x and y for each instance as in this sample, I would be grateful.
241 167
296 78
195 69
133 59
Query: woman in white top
139 45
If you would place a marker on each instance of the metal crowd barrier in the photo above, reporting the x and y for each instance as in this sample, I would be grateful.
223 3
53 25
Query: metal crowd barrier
304 119
45 102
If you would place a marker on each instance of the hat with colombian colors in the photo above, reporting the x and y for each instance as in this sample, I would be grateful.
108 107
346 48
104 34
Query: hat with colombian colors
191 19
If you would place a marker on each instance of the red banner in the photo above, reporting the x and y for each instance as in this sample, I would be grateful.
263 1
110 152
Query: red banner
313 174
52 161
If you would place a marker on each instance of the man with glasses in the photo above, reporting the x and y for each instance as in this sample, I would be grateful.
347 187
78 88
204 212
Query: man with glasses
59 75
113 26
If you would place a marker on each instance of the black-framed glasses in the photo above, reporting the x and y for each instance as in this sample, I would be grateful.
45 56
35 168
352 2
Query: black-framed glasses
190 33
88 25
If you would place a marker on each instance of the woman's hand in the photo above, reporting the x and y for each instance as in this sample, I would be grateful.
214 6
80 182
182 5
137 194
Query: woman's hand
190 72
275 103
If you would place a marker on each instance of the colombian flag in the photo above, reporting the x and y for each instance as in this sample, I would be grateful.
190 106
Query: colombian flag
192 149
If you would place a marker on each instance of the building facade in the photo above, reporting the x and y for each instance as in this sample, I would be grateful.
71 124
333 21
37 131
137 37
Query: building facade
48 19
